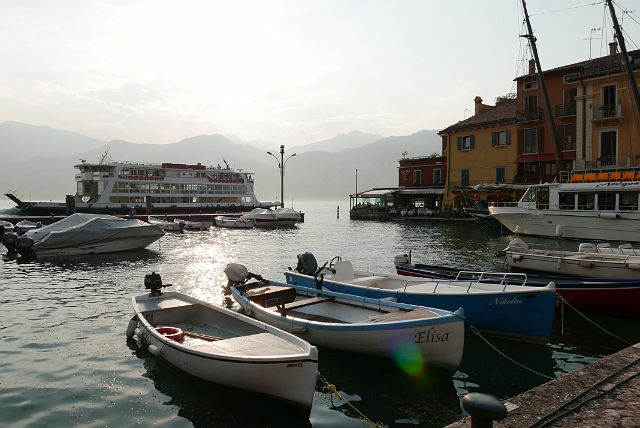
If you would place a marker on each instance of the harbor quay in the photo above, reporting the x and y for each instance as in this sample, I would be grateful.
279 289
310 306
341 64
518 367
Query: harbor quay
603 393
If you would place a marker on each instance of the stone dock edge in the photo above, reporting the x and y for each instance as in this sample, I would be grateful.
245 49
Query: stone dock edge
603 393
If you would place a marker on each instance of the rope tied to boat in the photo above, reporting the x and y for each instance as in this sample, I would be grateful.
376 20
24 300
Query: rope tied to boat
475 330
331 388
564 301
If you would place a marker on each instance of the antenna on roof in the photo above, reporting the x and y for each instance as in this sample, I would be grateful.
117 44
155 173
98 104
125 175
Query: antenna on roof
591 31
105 158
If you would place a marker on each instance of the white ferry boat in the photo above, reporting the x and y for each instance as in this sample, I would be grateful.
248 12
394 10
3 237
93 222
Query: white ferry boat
119 187
584 205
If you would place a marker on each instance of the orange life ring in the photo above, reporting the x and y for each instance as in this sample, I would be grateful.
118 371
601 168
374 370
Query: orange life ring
172 333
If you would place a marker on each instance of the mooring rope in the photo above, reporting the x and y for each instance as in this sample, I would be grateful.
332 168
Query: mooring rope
565 302
529 369
333 390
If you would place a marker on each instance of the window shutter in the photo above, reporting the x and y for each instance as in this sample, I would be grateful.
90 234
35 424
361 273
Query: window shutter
540 136
459 140
508 137
494 139
520 140
473 142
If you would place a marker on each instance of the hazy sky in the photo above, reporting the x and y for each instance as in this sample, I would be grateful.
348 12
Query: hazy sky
288 72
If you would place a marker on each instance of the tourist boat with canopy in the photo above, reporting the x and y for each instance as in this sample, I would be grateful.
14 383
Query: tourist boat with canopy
224 347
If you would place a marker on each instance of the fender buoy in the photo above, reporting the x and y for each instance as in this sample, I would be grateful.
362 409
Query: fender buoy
172 333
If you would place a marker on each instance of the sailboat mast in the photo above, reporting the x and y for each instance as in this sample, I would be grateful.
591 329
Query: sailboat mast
549 114
625 56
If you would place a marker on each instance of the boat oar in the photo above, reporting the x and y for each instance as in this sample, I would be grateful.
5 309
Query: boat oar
202 336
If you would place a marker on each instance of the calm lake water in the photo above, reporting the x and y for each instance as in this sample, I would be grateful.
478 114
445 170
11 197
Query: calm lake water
65 360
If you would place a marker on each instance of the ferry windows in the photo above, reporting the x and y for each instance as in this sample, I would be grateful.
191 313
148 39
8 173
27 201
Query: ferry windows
500 138
567 201
607 201
628 201
466 142
586 201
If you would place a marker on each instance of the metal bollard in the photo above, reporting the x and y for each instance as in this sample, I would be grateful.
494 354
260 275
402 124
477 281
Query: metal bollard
483 409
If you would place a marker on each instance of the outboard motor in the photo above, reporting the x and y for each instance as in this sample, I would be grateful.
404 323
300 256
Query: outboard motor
10 241
307 264
24 245
238 274
401 259
153 282
518 245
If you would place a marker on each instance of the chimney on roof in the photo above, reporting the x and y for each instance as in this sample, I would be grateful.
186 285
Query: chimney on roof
478 102
532 66
613 48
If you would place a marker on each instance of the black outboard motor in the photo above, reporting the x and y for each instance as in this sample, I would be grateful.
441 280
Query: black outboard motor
10 241
24 245
307 264
153 282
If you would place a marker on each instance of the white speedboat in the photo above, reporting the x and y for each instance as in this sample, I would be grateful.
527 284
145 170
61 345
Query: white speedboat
286 216
351 323
224 347
193 225
598 261
234 223
261 217
81 234
24 226
577 208
166 225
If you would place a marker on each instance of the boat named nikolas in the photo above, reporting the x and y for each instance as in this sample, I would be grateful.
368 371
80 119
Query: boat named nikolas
118 187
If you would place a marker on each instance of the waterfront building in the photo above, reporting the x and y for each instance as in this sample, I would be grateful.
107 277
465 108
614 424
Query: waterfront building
481 152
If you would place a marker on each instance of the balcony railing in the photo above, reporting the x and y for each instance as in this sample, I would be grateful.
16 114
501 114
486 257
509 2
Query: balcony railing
607 112
529 116
568 145
565 110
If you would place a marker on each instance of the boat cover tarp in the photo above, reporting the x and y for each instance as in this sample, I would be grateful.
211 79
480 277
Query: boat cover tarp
81 229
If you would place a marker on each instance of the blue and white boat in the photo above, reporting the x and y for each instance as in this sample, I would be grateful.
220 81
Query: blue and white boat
513 311
429 338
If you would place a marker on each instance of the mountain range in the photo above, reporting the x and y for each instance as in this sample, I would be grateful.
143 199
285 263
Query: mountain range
38 161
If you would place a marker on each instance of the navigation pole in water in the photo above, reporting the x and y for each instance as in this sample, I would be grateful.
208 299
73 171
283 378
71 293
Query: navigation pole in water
549 114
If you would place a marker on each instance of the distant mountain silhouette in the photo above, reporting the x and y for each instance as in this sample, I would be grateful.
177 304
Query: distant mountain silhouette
309 175
26 141
340 142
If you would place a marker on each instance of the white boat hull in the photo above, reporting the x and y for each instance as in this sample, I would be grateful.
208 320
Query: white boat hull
113 246
288 375
439 341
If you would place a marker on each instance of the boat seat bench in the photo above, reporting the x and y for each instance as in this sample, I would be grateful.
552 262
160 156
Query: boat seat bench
303 303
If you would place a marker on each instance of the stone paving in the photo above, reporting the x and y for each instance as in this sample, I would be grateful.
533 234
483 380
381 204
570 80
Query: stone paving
603 394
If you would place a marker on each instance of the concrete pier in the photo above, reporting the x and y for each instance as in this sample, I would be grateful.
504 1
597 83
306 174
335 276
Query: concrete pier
603 394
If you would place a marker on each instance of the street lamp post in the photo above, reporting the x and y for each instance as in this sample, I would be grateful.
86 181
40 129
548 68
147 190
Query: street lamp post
281 163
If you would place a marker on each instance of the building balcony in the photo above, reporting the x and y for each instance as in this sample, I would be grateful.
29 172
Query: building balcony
565 110
607 112
530 116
